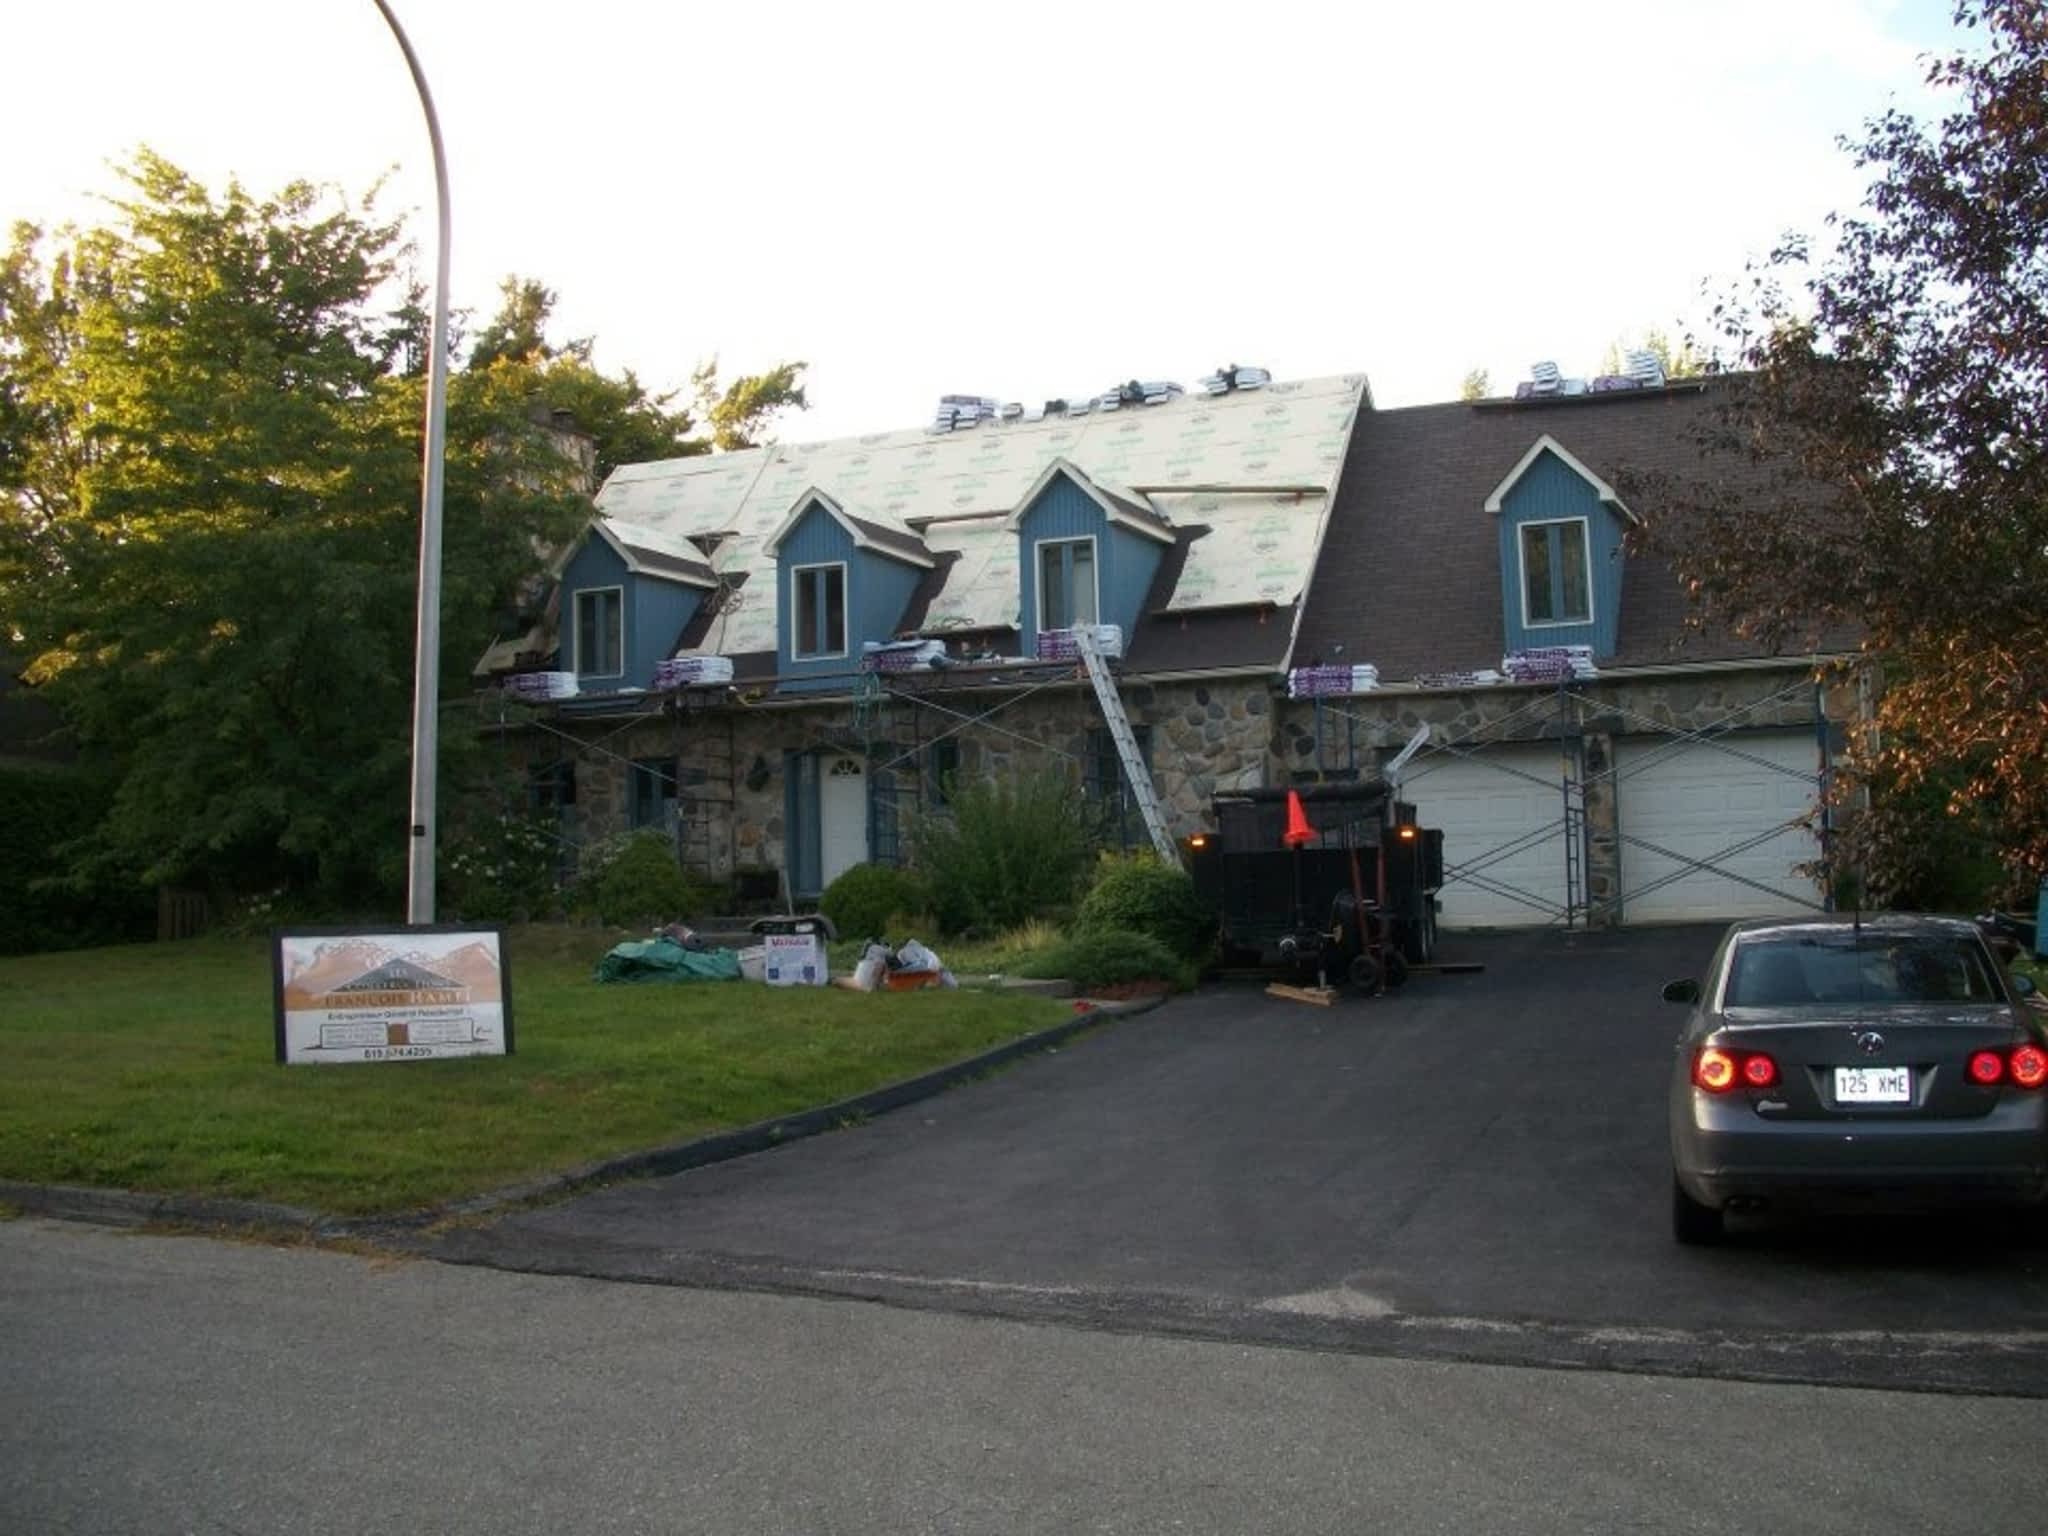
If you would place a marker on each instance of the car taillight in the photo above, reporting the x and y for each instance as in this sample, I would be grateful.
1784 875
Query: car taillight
1986 1067
2029 1066
1717 1070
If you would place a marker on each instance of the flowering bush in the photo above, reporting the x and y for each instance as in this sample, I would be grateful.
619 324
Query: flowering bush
501 867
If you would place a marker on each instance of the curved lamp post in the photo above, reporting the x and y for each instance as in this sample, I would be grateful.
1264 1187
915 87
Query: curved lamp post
426 685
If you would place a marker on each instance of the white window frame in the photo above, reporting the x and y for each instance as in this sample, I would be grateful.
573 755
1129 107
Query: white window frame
577 619
845 609
1038 571
1522 571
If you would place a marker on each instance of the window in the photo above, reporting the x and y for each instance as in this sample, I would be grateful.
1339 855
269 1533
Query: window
1844 969
942 772
817 598
600 632
551 786
1066 584
1557 573
653 797
1108 792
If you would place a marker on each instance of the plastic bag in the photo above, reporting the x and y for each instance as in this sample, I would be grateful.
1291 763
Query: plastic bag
867 975
913 956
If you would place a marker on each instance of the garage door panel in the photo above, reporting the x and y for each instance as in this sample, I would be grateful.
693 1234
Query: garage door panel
1710 834
1504 859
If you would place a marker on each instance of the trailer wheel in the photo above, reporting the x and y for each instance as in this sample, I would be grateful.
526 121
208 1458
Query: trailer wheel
1365 973
1397 969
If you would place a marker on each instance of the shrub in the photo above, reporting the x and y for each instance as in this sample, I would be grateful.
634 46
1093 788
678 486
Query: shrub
1106 957
1004 853
501 867
863 899
635 881
1141 894
50 903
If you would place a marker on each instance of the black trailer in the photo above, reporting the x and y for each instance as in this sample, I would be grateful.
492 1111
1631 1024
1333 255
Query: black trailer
1351 892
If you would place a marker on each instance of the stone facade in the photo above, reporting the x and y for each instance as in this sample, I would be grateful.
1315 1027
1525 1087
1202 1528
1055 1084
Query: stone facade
1206 738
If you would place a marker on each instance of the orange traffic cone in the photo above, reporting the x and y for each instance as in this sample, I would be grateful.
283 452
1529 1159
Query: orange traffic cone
1298 830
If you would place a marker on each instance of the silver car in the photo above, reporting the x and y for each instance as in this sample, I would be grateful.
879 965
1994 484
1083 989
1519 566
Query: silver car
1855 1062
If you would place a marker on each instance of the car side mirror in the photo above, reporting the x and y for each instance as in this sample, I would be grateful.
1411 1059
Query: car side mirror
2022 985
1686 991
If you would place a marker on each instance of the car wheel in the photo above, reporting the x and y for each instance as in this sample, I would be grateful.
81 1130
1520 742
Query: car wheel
1692 1223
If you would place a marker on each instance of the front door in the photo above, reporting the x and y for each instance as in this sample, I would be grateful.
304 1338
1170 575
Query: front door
842 817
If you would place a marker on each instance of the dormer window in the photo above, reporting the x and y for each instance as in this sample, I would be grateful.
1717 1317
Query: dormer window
817 621
1067 589
1557 573
600 632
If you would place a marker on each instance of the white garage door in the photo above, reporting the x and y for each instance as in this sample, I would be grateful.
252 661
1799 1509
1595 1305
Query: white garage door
1686 806
1502 814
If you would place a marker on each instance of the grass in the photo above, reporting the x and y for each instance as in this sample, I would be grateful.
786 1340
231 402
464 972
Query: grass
970 960
151 1067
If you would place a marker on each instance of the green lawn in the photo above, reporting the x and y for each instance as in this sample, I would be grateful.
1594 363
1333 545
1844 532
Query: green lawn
151 1067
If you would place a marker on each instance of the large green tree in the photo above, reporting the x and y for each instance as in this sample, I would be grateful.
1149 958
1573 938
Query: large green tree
210 424
1892 406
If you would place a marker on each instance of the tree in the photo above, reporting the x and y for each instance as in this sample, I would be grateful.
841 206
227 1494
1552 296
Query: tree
1892 413
1684 361
211 494
739 413
1476 386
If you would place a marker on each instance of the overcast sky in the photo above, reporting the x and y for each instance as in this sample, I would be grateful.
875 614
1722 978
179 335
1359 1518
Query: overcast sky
1022 199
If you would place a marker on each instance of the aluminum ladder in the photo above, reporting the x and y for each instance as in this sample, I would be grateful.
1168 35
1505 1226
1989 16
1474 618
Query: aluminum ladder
1136 774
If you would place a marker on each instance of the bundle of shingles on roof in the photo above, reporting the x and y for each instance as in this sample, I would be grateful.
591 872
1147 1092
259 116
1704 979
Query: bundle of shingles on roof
902 655
541 686
693 672
957 411
1549 664
1224 380
1323 681
1065 645
1139 392
1480 677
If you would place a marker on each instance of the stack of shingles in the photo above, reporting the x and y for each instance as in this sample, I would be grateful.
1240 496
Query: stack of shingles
693 671
1550 664
1323 681
539 687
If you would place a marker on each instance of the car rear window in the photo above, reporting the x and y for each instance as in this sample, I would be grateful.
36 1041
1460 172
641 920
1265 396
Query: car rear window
1787 971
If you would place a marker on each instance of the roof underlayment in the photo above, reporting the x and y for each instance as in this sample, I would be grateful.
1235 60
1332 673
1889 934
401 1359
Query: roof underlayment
1256 469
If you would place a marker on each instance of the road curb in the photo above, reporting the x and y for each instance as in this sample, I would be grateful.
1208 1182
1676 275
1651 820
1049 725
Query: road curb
136 1208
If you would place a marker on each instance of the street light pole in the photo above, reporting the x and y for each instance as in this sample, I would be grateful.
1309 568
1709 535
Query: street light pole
426 684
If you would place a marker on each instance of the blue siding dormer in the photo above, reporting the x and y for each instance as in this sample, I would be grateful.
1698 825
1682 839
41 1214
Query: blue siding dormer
874 590
1121 561
629 638
1561 532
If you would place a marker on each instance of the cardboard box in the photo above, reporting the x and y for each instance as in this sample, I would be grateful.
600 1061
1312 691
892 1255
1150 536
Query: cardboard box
793 959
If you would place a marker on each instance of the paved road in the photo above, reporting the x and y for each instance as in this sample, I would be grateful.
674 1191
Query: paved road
157 1386
1473 1169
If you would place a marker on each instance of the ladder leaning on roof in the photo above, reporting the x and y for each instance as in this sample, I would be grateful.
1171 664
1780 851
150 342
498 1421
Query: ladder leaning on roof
1136 774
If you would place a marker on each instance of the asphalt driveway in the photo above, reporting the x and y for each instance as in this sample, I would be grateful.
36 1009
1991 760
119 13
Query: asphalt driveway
1475 1167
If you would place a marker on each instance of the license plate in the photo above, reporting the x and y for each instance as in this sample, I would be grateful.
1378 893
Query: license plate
1873 1085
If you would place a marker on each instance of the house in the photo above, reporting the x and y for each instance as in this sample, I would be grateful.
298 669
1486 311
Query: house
1231 537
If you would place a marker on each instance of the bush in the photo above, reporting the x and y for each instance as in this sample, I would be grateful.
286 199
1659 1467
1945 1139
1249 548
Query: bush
863 900
1141 894
636 881
49 904
501 867
1005 853
1107 957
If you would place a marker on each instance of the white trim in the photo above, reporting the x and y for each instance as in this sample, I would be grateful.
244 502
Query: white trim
1548 444
1095 493
1522 572
1038 573
812 495
576 630
845 610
